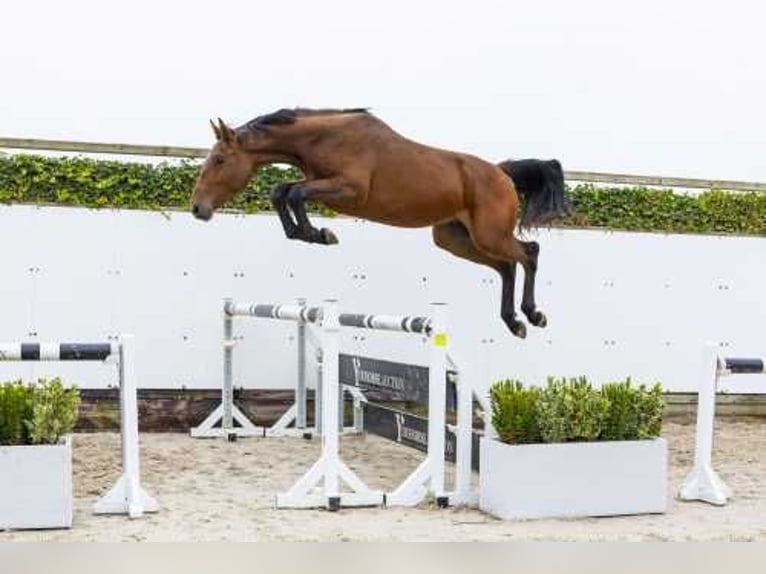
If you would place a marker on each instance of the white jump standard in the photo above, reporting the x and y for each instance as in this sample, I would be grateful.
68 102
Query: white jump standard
227 413
329 470
321 326
126 496
703 483
320 486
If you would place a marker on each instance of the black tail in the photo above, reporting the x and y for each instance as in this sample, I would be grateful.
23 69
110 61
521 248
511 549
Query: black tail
541 185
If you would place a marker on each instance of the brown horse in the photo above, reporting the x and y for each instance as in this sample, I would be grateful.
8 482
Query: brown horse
355 164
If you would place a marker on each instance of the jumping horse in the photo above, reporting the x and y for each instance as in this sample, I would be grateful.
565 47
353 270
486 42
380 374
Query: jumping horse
355 164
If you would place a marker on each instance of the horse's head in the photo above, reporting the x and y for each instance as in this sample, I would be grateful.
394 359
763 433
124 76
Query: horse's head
225 173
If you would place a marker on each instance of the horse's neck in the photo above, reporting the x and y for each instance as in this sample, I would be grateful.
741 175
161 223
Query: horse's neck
263 158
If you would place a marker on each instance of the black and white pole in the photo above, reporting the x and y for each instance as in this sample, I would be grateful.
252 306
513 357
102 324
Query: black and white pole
704 483
57 351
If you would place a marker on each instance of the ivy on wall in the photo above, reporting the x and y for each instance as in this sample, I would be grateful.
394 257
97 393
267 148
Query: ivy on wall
84 182
649 209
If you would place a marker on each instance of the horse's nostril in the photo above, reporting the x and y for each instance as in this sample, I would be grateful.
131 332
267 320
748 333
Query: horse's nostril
202 212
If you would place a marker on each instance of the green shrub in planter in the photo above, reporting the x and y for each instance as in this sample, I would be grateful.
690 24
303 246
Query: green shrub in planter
635 412
40 413
514 412
15 413
571 411
651 405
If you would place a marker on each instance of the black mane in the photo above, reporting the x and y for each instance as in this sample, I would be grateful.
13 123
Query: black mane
287 116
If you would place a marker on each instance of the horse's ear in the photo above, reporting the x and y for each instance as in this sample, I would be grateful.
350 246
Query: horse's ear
216 131
227 134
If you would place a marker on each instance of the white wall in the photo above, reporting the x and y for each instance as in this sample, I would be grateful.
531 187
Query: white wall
619 304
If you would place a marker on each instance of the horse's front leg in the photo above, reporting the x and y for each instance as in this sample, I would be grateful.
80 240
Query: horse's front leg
278 197
332 190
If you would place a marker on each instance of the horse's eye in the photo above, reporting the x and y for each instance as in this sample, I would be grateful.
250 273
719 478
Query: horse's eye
218 160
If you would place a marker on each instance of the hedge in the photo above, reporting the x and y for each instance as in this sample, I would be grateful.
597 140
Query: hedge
645 209
84 182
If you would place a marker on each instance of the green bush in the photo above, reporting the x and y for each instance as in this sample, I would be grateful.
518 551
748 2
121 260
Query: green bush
15 413
651 406
54 411
40 413
85 182
514 412
572 410
635 412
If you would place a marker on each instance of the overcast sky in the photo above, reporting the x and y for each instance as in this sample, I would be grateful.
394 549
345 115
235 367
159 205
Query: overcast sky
672 87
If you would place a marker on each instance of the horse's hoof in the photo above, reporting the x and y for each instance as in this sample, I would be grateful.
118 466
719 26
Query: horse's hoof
539 319
519 329
328 237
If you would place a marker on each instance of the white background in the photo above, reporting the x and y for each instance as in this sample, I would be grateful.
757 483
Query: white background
619 304
662 87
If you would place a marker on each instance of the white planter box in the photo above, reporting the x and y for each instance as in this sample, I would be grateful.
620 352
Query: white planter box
36 486
573 479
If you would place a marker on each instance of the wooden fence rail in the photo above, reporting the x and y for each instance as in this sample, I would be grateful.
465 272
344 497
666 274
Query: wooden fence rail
194 153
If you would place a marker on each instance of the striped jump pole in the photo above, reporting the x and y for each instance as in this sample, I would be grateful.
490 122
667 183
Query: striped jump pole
704 483
126 496
57 351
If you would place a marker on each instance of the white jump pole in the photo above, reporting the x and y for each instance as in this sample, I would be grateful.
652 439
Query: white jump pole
331 402
463 437
429 476
437 398
321 485
127 496
227 422
703 483
300 391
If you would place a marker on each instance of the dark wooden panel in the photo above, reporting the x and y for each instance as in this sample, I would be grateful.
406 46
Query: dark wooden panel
172 410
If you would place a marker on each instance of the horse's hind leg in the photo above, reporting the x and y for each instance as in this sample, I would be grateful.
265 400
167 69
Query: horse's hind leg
491 225
528 305
452 236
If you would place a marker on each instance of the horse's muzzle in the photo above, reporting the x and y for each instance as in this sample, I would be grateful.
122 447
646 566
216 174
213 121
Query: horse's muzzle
202 212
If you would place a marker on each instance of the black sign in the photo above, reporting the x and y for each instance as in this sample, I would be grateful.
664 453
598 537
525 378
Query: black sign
411 430
389 381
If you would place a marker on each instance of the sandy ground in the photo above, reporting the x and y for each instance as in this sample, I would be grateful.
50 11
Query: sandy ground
213 490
